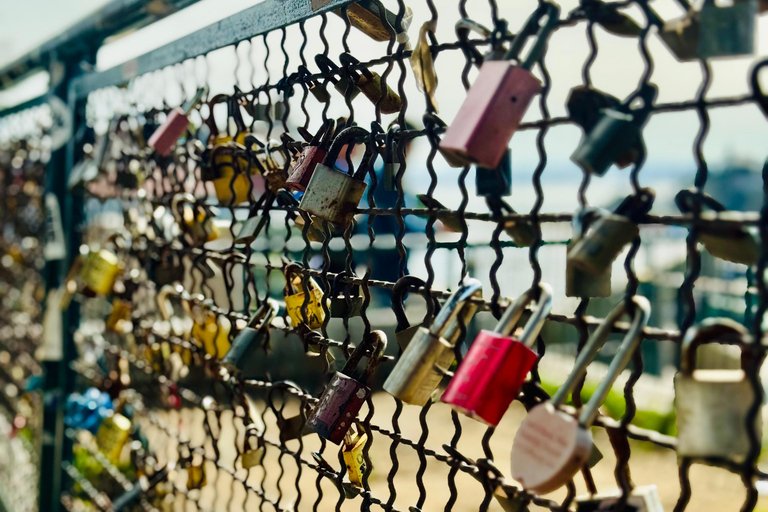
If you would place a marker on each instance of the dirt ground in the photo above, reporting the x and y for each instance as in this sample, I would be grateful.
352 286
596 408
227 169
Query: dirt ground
713 489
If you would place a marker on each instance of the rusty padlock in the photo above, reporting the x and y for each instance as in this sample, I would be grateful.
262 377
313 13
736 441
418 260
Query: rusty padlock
164 138
310 157
344 395
712 406
551 446
736 244
430 353
334 195
369 83
493 370
595 252
404 331
616 138
499 98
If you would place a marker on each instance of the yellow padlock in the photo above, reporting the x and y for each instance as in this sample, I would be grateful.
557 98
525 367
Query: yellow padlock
112 435
294 299
194 219
120 315
196 473
99 272
354 443
212 332
228 178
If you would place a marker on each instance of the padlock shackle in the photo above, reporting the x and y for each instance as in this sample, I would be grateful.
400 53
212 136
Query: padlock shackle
390 144
630 343
292 270
686 199
338 285
593 346
647 93
348 61
583 218
196 98
542 294
351 136
636 206
463 27
264 314
162 298
374 343
534 28
458 305
398 297
724 331
757 91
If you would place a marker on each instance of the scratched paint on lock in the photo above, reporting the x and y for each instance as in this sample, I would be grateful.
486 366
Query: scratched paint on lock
338 407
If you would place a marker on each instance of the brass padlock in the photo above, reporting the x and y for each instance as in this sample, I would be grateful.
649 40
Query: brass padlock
100 269
196 478
577 282
369 82
194 219
366 16
430 353
112 436
121 313
735 244
295 298
253 452
354 459
231 182
712 405
211 330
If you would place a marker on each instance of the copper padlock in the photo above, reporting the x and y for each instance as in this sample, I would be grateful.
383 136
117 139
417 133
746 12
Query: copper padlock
310 156
497 101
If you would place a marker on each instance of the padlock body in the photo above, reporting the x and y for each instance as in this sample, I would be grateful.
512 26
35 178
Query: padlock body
213 335
681 36
244 344
344 84
490 114
495 181
371 87
613 135
165 137
230 188
315 312
522 233
355 461
727 31
308 159
346 307
338 407
583 284
736 246
711 408
489 377
597 250
99 272
332 195
252 457
415 377
405 336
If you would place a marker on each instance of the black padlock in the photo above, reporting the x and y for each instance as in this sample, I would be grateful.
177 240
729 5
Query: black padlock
346 300
496 182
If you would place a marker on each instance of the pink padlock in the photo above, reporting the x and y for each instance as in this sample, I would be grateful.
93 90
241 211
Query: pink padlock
309 157
499 98
494 368
165 137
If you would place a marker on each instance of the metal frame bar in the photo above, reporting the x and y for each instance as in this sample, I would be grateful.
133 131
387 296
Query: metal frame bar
254 21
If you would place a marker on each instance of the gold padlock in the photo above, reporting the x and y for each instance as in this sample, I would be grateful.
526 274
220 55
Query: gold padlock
196 478
294 299
112 435
229 178
212 331
253 454
194 219
120 315
99 272
354 443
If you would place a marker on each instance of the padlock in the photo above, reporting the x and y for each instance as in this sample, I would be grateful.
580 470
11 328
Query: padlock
101 268
334 195
496 181
712 405
112 436
369 83
617 136
550 446
164 138
522 232
253 452
367 15
194 218
714 31
346 301
295 298
310 157
196 478
92 164
341 81
249 339
493 370
423 64
211 330
168 268
735 244
499 97
577 282
354 458
404 331
344 395
121 313
178 326
450 219
595 252
641 499
317 89
392 158
231 182
430 353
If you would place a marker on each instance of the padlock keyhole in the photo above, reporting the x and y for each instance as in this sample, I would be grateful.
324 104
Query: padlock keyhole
514 99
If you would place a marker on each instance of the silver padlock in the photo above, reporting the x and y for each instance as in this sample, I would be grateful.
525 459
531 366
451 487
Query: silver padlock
641 499
404 331
712 405
430 353
577 282
735 244
334 195
603 243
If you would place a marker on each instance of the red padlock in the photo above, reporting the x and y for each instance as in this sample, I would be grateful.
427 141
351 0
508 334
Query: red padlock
309 157
492 372
499 98
165 137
